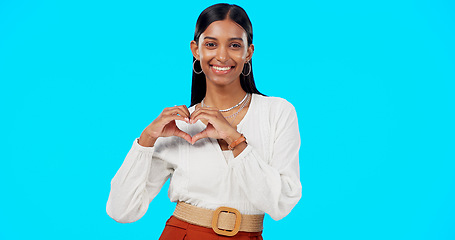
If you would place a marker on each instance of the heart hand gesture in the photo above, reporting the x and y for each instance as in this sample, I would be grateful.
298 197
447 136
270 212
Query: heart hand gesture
164 126
217 127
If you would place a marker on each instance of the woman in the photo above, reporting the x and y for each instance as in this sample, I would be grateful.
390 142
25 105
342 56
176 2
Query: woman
232 156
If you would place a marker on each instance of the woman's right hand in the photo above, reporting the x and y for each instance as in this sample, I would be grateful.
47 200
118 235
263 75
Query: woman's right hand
164 126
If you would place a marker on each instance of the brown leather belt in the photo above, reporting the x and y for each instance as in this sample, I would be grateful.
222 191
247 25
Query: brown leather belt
224 220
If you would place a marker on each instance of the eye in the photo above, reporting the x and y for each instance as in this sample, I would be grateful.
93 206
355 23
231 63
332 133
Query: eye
210 44
236 45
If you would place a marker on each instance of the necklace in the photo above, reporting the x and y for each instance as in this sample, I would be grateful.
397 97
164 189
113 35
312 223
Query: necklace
238 111
228 109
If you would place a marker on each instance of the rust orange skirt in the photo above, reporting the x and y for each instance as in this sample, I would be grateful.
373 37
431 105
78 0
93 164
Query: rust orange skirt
177 230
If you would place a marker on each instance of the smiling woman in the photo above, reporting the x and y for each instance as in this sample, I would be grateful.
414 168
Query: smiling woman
222 52
232 156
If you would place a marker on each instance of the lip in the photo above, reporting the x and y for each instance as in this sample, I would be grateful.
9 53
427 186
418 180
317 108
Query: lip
216 71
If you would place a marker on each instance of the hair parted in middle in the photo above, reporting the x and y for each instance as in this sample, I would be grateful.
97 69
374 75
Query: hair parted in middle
219 12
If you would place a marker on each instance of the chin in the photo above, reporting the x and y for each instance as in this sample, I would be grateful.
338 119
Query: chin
221 81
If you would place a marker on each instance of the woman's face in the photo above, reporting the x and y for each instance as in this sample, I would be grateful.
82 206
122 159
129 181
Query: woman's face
222 51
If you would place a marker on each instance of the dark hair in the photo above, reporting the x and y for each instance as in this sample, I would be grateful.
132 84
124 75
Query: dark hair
211 14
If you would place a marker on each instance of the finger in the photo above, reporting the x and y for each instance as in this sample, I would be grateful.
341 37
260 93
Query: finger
178 112
185 109
184 135
196 114
169 118
204 109
198 136
210 117
172 110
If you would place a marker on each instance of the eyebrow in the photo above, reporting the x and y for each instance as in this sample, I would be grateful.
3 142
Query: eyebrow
236 38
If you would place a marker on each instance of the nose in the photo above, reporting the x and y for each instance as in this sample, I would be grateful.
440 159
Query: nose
222 54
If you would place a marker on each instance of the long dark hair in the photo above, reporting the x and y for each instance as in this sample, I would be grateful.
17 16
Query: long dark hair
211 14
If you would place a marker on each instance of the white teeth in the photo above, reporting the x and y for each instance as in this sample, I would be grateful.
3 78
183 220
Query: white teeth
221 68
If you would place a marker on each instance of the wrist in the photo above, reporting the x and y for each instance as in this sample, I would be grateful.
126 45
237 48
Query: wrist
232 137
146 140
237 142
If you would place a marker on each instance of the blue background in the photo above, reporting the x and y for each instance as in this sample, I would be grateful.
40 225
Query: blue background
372 82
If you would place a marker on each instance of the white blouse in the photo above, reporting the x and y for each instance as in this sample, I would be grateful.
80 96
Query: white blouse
263 178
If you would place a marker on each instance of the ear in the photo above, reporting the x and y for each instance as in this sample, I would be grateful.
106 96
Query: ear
249 53
194 49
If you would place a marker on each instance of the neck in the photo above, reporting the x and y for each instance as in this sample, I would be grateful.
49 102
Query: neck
223 97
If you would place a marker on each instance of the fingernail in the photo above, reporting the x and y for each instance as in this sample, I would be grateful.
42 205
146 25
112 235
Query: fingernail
187 119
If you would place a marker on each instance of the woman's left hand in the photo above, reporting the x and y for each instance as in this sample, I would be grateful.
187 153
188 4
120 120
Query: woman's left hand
217 127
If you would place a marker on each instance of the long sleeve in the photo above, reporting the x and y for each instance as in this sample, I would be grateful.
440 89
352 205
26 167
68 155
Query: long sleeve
273 185
136 183
263 178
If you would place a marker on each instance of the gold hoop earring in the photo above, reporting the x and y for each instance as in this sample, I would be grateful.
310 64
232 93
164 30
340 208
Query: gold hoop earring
194 70
248 71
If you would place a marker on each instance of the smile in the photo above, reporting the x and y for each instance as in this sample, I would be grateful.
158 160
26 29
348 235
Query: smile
221 70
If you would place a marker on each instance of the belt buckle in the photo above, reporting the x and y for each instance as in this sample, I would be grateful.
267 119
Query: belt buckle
238 219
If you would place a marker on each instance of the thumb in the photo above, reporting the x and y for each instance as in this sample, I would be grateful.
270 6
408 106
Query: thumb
198 136
182 134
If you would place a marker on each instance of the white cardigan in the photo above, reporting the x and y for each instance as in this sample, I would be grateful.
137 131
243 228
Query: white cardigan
263 178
